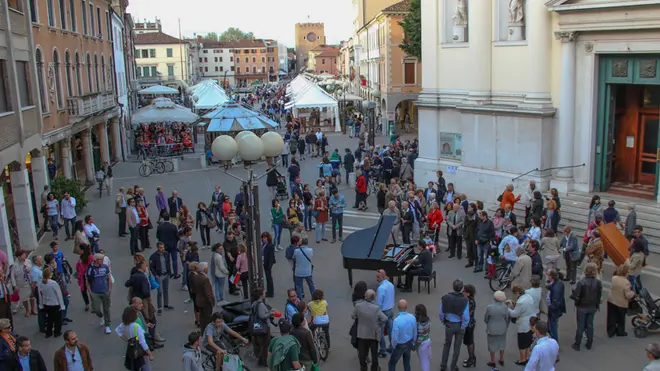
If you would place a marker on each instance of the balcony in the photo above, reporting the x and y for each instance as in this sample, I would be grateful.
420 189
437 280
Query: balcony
150 79
172 78
89 104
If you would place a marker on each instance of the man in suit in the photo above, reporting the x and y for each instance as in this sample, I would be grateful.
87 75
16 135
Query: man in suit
133 222
455 220
168 234
175 202
370 320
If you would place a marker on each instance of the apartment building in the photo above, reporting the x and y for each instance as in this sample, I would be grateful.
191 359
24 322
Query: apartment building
216 62
255 60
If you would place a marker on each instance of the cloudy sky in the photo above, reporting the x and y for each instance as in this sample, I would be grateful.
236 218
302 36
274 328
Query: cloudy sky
265 18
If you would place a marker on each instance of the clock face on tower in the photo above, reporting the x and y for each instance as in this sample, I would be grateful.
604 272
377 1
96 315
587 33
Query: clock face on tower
311 36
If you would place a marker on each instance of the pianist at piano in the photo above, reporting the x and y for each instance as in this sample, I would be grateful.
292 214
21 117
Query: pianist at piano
420 265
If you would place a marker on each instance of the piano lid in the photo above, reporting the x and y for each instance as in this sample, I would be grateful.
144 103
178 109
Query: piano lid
368 243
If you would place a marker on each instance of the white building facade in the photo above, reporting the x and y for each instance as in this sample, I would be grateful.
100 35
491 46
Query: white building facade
216 61
565 92
283 57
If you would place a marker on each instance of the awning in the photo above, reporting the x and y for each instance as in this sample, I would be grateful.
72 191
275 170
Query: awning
163 110
232 116
158 90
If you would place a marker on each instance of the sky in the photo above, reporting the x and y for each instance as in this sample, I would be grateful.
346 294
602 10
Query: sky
265 18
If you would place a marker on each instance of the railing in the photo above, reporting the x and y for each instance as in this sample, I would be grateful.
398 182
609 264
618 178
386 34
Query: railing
90 104
150 79
547 169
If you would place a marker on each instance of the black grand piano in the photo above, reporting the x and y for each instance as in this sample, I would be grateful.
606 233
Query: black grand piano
366 250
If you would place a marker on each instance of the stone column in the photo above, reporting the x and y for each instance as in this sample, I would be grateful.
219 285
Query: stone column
104 146
88 157
22 196
67 164
480 27
39 180
116 139
537 18
5 235
566 125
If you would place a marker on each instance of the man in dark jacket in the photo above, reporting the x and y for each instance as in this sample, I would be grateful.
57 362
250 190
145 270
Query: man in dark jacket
271 181
24 350
175 202
485 234
537 262
349 163
556 304
231 254
159 266
358 153
138 283
587 296
168 234
308 355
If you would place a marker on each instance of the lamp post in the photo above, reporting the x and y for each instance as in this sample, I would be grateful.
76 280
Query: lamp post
250 148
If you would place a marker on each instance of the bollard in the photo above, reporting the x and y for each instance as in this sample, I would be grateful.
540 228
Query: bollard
351 180
202 161
175 162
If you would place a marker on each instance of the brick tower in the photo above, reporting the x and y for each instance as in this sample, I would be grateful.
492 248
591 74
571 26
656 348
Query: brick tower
308 37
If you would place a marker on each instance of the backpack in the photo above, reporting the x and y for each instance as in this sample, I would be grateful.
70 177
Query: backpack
289 251
279 351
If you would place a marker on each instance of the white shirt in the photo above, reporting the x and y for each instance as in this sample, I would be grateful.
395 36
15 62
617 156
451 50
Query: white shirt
137 216
544 355
130 330
89 228
68 208
50 294
319 135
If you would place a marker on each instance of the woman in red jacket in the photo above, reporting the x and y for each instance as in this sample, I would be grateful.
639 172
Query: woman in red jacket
435 220
361 190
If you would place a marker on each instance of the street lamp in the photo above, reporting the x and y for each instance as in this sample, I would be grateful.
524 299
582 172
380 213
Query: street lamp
250 148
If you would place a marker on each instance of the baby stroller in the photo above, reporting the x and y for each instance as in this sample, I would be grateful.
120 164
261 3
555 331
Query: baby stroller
649 318
282 192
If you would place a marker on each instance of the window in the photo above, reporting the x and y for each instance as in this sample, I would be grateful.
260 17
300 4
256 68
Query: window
323 61
105 87
247 59
170 70
216 59
72 14
254 59
144 53
84 17
201 69
263 59
96 73
170 53
34 17
206 69
90 86
67 72
5 103
145 71
263 69
58 80
206 60
78 74
409 73
91 19
62 15
216 68
41 84
152 53
254 51
231 59
232 68
98 22
220 59
221 69
16 5
22 74
254 69
154 71
51 13
205 51
108 25
238 70
200 60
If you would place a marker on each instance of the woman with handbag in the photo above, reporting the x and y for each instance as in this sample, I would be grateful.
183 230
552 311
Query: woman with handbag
145 224
81 269
277 218
21 281
320 213
204 223
259 327
138 355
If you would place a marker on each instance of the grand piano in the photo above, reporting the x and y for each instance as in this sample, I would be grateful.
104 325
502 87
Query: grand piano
368 250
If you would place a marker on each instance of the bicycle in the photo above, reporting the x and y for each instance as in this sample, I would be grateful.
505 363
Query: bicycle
502 277
321 342
146 168
233 346
159 166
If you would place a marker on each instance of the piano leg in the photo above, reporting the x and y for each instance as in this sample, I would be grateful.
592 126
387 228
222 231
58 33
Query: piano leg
350 277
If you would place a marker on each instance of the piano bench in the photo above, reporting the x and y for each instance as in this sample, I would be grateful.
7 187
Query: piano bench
427 282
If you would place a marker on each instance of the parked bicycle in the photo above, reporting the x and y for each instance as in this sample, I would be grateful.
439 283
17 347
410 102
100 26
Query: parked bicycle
501 279
158 165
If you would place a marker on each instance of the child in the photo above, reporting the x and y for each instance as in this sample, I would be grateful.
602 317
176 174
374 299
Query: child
318 311
242 268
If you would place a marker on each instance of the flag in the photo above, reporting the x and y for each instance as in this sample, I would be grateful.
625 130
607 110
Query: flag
235 279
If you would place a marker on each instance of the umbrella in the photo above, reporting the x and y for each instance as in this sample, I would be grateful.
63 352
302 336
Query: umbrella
232 116
158 90
163 110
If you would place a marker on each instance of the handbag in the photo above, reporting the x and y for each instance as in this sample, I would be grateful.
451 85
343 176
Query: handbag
256 325
211 223
232 362
134 349
153 283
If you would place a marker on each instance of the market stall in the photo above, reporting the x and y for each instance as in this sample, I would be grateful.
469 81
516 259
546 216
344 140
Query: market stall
163 126
309 101
207 95
232 118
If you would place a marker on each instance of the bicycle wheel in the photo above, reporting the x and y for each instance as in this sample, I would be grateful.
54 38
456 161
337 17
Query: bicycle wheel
159 168
321 344
146 169
169 166
500 280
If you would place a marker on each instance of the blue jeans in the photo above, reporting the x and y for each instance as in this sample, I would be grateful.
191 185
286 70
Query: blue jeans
217 216
482 251
383 344
320 231
585 322
277 229
397 352
68 229
308 217
53 224
298 281
553 327
174 257
218 287
635 282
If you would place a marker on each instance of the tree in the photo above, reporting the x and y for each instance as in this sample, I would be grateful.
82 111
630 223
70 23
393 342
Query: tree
412 29
232 34
211 36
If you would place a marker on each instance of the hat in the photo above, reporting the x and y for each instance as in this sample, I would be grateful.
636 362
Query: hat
499 296
654 349
5 323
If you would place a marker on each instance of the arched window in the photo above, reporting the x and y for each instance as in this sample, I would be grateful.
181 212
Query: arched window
89 73
67 66
58 80
40 81
105 87
96 72
78 75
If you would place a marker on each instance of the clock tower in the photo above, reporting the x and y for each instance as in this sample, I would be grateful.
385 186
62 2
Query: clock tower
308 37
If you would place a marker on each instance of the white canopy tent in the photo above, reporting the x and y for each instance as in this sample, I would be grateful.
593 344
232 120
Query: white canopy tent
158 90
207 95
306 94
163 110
